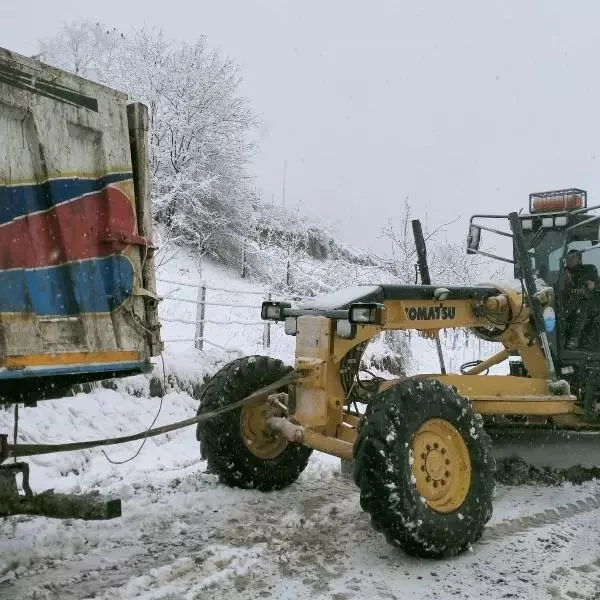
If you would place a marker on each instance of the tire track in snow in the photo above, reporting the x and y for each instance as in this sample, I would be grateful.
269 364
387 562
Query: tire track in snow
578 582
550 516
107 571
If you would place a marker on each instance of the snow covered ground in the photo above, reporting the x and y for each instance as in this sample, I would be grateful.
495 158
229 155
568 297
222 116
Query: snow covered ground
183 535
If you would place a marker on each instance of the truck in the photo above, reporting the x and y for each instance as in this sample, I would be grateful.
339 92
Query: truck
78 296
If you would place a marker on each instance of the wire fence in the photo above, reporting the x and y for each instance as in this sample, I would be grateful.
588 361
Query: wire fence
202 319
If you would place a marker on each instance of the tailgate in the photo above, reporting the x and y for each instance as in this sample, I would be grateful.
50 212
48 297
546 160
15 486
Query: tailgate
76 273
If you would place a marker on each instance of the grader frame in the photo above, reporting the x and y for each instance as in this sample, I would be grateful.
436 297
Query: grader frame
320 400
323 422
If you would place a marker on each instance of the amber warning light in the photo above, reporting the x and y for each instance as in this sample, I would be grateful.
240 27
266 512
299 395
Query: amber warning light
558 200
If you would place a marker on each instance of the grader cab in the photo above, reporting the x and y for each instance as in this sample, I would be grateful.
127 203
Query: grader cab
421 446
558 224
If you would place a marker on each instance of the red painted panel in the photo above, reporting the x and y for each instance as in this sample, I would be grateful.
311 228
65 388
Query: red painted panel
70 231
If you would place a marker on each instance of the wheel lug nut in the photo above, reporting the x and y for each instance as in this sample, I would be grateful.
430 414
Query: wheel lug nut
443 482
422 467
436 445
428 447
443 450
435 484
428 479
423 455
447 461
447 473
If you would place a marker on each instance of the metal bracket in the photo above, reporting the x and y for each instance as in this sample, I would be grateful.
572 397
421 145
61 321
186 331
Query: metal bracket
140 291
129 238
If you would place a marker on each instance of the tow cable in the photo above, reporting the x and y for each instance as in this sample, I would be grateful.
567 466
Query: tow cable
21 450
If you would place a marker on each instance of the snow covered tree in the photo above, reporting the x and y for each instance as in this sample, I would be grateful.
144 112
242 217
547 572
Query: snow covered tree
86 48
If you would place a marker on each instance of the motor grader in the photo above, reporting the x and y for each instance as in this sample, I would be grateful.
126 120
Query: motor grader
422 448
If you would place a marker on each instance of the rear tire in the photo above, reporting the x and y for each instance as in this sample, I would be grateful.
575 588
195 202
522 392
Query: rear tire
274 463
424 467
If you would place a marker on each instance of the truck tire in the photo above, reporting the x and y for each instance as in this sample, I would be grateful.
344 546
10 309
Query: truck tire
424 467
237 445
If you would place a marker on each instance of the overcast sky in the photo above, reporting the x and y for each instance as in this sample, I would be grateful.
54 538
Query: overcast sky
462 106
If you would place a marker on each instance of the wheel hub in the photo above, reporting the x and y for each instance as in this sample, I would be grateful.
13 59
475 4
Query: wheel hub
257 436
435 465
441 465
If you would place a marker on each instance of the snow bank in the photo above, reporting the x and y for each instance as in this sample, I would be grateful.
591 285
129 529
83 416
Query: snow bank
237 337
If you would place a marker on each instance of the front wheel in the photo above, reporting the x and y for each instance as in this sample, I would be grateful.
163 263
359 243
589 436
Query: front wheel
238 445
424 467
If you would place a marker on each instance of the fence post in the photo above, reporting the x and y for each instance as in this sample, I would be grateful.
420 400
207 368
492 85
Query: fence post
244 258
267 330
200 314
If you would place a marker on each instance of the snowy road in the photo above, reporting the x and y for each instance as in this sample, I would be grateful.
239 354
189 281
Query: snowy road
189 537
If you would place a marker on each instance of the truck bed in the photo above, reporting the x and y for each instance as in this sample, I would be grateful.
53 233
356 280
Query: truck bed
77 296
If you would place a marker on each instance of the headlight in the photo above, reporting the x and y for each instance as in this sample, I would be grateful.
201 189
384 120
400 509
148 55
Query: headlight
547 222
560 221
366 314
526 224
273 311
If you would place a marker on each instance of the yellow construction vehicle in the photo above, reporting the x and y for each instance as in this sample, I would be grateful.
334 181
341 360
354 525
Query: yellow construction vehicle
422 452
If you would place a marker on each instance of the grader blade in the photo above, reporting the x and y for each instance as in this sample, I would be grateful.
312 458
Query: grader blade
547 448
